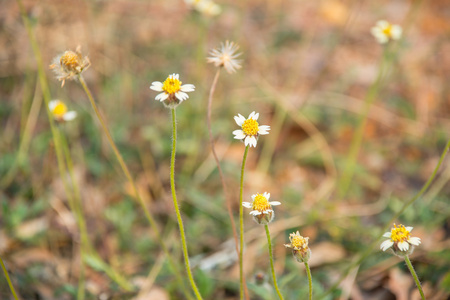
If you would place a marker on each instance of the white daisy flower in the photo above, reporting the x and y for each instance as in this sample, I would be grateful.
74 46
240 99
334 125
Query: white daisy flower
59 111
173 93
400 240
206 7
384 31
262 211
250 129
226 57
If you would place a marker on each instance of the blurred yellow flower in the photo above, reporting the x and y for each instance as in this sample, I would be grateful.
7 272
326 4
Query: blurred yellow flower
60 112
299 246
384 31
226 57
69 64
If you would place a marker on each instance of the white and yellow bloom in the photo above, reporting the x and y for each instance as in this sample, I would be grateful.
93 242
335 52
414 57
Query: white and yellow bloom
60 112
384 31
400 240
69 64
299 246
250 129
262 211
173 93
226 57
206 7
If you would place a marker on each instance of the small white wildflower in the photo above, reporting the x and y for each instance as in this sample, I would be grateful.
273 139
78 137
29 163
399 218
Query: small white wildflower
262 211
60 112
384 31
250 129
400 240
299 246
173 93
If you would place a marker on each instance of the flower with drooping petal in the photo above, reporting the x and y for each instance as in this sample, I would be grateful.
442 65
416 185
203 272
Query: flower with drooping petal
69 64
173 93
384 31
299 246
226 57
60 112
262 211
400 240
250 129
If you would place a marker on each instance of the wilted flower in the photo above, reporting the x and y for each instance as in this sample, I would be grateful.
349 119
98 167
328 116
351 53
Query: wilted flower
226 57
250 129
59 111
400 240
69 64
262 211
299 246
384 31
173 93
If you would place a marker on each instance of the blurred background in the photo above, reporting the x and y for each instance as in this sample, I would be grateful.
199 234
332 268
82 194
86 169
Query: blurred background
308 67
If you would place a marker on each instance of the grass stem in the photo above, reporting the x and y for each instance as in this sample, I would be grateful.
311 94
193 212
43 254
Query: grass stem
241 227
274 277
11 287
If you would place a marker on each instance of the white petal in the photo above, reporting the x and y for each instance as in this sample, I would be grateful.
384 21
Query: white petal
404 246
254 196
263 129
156 86
239 119
382 24
52 104
382 39
255 212
239 134
386 245
69 116
251 140
268 211
266 195
396 32
187 88
414 241
247 204
274 203
409 228
161 97
387 234
181 96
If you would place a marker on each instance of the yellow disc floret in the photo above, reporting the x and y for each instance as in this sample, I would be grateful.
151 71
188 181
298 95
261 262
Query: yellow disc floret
298 242
388 30
250 127
70 60
399 234
171 85
59 110
260 203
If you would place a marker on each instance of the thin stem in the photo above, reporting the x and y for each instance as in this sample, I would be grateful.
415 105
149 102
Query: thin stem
368 251
177 209
413 273
241 227
126 171
269 243
222 177
11 287
308 272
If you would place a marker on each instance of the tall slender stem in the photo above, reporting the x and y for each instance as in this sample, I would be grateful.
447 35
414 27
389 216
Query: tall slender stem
308 272
414 275
269 243
177 209
11 287
126 171
241 227
219 168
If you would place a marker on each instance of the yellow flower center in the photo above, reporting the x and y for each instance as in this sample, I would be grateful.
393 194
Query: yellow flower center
399 234
250 127
260 203
70 60
171 85
59 110
299 242
388 30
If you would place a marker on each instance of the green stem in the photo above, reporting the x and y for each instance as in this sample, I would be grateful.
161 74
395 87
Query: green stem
126 171
13 291
368 251
308 272
355 145
241 226
269 243
413 273
177 209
